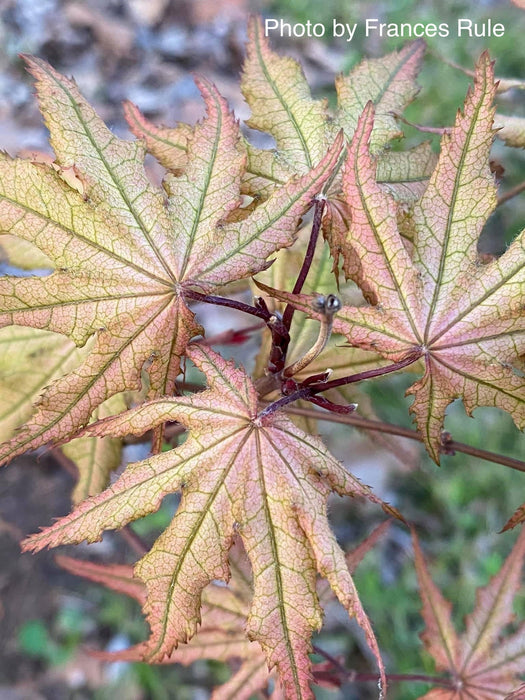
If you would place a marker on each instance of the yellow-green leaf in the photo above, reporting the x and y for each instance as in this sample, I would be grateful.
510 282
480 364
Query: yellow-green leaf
124 256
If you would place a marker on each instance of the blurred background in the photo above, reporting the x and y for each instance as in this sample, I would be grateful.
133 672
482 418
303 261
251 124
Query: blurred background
147 51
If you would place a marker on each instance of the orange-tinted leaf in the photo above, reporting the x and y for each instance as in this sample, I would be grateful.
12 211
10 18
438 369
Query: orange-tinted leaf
481 664
439 637
117 577
239 471
463 318
124 257
169 145
517 518
220 636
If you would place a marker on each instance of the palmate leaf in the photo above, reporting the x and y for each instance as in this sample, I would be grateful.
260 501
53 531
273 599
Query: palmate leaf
279 96
463 318
29 360
125 257
224 611
480 663
239 472
221 634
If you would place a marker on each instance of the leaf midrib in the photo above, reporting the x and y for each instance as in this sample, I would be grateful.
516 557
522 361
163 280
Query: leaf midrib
481 300
136 216
87 241
391 268
280 99
277 569
473 123
195 531
203 190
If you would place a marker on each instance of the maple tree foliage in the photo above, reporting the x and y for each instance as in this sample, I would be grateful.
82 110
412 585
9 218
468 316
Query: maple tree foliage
239 471
221 634
124 255
437 302
116 315
479 663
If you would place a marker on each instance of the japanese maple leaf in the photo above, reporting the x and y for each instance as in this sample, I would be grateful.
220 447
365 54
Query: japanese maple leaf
481 665
239 471
29 360
279 96
221 634
464 319
125 254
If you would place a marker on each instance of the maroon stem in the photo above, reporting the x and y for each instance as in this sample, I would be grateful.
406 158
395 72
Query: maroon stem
511 193
391 429
368 374
308 258
304 392
355 676
230 303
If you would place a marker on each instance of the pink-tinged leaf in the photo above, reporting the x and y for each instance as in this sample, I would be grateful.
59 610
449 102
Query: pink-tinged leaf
389 82
221 635
375 255
439 637
481 664
117 577
169 145
259 476
239 247
493 610
517 518
518 694
459 198
124 258
463 318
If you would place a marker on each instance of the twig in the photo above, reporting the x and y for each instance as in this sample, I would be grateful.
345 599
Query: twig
308 390
390 429
368 374
518 189
355 676
308 258
425 129
229 303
